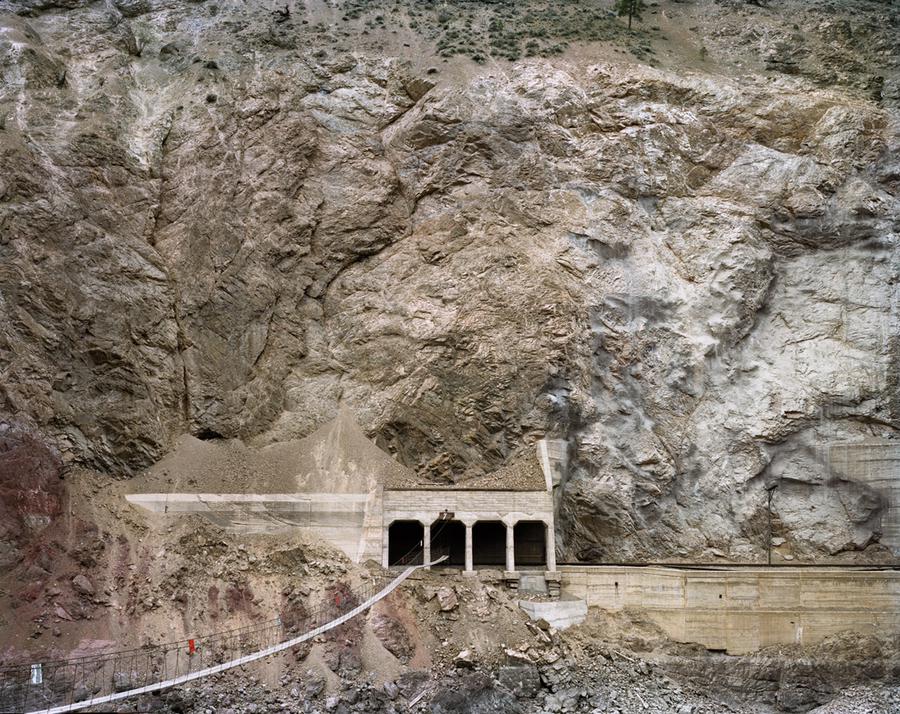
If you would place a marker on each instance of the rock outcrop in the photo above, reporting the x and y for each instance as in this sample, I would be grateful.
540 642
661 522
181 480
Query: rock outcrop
31 492
692 278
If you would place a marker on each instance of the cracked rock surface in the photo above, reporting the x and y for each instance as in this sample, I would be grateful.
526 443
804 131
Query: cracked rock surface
690 276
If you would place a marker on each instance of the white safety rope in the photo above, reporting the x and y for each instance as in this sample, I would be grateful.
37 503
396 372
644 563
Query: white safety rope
246 659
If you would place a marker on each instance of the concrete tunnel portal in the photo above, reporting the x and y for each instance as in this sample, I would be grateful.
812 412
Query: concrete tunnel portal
405 543
448 538
489 543
486 543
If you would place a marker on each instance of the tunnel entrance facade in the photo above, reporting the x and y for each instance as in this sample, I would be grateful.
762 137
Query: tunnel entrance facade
502 530
405 541
489 543
448 538
530 543
359 499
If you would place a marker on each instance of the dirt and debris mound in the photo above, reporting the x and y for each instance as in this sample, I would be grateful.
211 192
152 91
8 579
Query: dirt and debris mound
337 457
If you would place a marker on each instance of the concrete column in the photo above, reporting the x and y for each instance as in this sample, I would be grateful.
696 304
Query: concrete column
510 548
385 545
469 559
426 544
551 548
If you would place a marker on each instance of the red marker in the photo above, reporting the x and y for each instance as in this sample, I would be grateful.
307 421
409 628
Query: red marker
191 647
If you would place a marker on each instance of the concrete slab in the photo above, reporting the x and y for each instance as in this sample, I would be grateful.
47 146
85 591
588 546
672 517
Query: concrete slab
532 584
560 614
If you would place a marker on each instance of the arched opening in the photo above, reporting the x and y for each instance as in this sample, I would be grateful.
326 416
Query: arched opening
530 538
449 538
405 543
489 543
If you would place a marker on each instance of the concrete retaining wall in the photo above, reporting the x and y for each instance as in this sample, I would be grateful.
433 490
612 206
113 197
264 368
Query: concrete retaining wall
875 463
349 521
741 610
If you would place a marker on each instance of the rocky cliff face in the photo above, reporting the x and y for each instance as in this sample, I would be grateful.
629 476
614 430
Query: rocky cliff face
217 222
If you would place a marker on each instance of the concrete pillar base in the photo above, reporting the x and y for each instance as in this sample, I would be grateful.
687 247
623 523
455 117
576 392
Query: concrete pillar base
554 581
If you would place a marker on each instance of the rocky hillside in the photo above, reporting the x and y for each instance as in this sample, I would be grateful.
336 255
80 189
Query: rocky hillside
675 248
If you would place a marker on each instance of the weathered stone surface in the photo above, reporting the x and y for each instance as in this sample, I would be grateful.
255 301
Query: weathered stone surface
83 585
523 680
474 694
122 681
393 635
778 677
132 8
447 599
31 492
691 278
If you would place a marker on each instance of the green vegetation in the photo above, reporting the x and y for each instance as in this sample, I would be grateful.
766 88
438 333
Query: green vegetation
503 29
631 9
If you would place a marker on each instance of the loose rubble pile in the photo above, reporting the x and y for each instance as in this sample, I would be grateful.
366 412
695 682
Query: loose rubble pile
616 685
610 690
609 683
447 645
863 700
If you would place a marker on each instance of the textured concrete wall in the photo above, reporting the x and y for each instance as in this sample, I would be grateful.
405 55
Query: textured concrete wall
875 463
348 521
354 523
553 455
468 506
741 610
370 542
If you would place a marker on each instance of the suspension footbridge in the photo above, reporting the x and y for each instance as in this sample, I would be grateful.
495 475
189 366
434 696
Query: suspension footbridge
90 682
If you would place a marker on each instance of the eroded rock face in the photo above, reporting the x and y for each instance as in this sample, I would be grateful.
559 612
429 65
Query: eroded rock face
691 278
31 492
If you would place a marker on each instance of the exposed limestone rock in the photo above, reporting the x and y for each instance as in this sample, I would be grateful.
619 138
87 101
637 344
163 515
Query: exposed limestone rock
132 8
393 636
692 278
447 599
